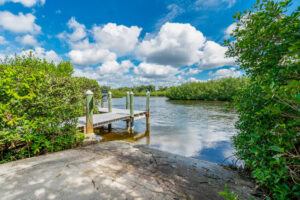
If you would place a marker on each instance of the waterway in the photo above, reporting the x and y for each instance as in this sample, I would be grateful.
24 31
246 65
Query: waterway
197 129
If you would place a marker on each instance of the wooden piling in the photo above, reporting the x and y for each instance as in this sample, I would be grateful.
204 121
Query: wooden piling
127 101
127 107
109 107
89 112
148 107
131 112
147 134
109 102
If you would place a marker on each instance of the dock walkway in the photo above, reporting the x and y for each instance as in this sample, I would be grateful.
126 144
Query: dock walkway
106 117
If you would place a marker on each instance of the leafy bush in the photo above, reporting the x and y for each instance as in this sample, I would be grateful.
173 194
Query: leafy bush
39 106
266 45
85 84
221 90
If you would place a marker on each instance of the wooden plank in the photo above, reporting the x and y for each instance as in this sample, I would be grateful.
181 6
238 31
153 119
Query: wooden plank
110 117
116 110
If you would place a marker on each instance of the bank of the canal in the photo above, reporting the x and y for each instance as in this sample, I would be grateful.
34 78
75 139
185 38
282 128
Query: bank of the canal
118 170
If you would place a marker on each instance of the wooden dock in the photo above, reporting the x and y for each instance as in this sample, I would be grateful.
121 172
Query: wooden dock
106 117
109 115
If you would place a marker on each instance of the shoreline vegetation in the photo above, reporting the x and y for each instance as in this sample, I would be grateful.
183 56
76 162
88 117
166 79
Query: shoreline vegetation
36 96
224 89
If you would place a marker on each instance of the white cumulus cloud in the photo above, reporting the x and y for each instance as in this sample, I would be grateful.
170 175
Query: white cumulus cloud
19 23
229 30
181 45
154 70
176 44
214 56
27 40
3 40
91 56
79 31
117 38
191 71
107 42
222 73
26 3
113 67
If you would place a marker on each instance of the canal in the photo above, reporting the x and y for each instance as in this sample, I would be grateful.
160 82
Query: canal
197 129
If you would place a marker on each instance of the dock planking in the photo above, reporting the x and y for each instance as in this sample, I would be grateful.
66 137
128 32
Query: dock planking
105 117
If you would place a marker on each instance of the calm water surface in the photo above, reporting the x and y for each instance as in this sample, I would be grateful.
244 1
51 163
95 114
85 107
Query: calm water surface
200 130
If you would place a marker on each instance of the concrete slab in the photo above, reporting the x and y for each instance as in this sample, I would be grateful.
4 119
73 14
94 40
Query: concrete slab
117 170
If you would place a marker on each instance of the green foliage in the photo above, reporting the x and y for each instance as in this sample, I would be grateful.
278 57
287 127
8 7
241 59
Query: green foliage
39 106
117 93
64 68
153 93
229 195
221 90
267 48
85 84
138 91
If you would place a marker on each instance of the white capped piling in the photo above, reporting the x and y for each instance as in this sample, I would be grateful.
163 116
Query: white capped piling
89 112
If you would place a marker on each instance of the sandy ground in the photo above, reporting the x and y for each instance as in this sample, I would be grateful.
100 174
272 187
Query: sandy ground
117 170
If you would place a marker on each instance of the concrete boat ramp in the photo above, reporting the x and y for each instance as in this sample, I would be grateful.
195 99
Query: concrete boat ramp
117 170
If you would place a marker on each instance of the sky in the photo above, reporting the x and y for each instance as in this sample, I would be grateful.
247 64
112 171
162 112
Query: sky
125 43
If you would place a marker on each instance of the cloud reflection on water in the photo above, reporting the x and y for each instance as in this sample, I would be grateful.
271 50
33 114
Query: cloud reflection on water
187 128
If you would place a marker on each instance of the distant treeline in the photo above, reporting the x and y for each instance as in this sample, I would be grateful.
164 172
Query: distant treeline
137 90
214 90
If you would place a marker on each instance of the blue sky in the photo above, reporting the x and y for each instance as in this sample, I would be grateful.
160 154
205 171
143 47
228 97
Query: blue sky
125 43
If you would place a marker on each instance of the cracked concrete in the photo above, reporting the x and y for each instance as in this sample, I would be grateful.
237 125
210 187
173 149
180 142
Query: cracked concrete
117 170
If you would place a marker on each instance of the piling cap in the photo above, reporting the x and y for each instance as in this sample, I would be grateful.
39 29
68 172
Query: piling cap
147 92
109 92
131 92
127 92
89 92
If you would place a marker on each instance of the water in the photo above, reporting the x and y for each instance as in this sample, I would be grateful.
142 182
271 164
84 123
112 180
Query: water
201 130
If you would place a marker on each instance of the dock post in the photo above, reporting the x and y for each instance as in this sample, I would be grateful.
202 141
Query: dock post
148 107
109 108
89 114
127 107
109 102
131 113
